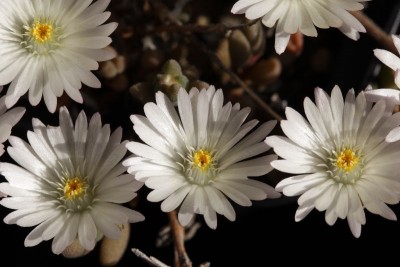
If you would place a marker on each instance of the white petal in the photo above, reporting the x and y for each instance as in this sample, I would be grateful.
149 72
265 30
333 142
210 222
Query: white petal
281 42
36 217
186 211
256 9
378 94
242 5
287 149
388 58
253 167
103 224
87 231
350 32
186 113
234 194
355 226
393 136
67 235
163 192
302 212
342 205
35 236
175 199
292 166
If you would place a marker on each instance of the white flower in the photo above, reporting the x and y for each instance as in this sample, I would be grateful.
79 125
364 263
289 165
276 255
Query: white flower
340 159
49 46
8 118
291 16
70 183
392 98
390 59
201 157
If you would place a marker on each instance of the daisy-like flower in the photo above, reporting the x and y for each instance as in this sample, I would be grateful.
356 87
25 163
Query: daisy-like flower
302 15
339 158
7 120
70 183
390 59
200 158
49 46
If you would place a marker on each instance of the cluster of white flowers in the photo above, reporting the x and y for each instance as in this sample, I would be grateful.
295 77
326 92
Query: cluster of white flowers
70 181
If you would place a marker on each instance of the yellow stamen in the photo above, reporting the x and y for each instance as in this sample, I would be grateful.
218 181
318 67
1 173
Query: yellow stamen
42 32
347 160
74 187
202 159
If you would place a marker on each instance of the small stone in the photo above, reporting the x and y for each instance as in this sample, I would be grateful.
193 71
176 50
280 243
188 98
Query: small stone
75 250
120 64
199 85
203 20
264 72
111 251
223 54
239 48
108 69
255 35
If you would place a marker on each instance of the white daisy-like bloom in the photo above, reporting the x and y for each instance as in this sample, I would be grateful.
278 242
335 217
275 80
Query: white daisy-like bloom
339 158
291 16
390 59
48 47
199 157
392 98
69 182
8 118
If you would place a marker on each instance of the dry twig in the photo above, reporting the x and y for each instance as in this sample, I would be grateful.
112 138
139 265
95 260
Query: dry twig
194 28
149 260
375 31
261 103
178 235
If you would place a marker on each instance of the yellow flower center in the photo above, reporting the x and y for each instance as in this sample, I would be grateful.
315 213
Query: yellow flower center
347 160
41 32
74 188
202 159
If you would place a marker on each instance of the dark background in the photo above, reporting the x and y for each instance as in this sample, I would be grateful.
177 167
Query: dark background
266 233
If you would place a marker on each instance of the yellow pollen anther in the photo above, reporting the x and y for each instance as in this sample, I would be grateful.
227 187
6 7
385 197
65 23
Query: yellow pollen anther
347 160
74 187
202 159
42 32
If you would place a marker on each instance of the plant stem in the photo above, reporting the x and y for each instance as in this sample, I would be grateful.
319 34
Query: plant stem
375 31
178 235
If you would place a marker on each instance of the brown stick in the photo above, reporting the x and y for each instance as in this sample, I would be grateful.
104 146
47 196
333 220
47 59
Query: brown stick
178 235
193 28
149 260
213 57
375 31
162 10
